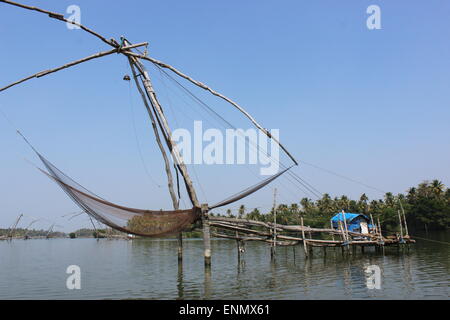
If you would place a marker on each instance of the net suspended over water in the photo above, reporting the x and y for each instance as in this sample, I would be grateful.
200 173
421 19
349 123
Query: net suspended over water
139 222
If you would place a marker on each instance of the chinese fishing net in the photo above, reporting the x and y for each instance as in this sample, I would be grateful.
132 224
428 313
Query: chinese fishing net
139 222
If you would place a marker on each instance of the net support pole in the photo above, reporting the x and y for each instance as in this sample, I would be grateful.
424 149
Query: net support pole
305 243
163 152
206 235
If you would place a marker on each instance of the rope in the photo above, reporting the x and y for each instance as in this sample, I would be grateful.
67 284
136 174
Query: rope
312 190
137 141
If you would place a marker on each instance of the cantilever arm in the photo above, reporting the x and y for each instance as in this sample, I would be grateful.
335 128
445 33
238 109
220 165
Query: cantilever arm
60 17
217 94
71 64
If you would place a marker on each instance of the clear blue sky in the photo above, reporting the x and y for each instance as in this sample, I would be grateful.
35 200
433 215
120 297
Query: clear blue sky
373 105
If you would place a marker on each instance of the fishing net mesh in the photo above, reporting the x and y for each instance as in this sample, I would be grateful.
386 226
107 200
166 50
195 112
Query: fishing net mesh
139 222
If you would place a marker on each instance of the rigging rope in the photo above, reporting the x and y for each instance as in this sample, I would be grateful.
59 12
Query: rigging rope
313 191
137 141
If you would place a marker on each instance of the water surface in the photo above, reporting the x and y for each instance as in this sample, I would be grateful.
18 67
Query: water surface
148 269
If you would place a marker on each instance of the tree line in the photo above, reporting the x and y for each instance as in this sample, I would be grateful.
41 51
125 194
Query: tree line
426 207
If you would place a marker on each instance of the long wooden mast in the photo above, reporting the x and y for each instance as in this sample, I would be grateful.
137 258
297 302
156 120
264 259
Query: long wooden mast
135 58
117 46
165 129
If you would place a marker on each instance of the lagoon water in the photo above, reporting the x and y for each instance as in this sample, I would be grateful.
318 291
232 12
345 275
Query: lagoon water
148 269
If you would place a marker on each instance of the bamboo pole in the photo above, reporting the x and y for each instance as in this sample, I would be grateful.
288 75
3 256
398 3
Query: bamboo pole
166 131
70 64
206 235
305 243
280 227
274 245
404 218
60 17
373 224
400 221
170 184
14 226
331 225
217 94
345 225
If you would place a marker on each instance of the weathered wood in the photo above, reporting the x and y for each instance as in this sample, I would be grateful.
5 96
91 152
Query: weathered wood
206 235
60 17
331 225
400 222
345 225
291 228
68 65
404 218
167 132
305 243
175 201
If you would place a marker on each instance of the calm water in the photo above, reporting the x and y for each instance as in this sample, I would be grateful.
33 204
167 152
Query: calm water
144 269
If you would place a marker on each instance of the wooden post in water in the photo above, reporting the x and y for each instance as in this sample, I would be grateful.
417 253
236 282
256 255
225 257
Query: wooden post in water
331 225
404 218
180 247
400 221
305 243
274 243
206 235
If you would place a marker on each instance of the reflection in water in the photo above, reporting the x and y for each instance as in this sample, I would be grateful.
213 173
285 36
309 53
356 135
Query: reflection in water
149 269
207 294
180 284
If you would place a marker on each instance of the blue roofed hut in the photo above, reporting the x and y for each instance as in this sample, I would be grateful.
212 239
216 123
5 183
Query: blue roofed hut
356 222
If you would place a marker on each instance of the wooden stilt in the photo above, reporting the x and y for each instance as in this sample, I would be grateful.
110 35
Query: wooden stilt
180 247
400 222
206 235
331 225
274 243
305 243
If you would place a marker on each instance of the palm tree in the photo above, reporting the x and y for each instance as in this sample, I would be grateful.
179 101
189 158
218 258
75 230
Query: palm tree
241 211
389 199
437 187
363 202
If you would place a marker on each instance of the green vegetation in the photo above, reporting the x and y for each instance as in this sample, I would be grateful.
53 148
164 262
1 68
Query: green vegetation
21 233
427 207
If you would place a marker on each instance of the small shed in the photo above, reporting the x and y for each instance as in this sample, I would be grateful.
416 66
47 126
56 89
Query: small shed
356 222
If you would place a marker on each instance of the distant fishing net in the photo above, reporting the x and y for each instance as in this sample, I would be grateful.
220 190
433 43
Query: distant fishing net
145 223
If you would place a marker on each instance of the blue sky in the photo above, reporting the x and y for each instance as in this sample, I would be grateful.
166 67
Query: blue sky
373 105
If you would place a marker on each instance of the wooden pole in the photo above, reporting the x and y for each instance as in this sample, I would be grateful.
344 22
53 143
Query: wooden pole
170 184
345 225
331 225
400 221
373 225
274 244
14 226
68 65
379 229
60 17
206 235
166 131
305 243
404 218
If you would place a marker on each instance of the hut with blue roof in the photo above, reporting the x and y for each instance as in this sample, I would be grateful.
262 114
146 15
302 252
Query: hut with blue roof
356 222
